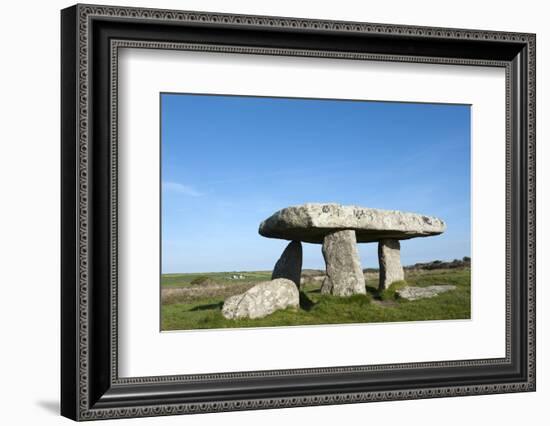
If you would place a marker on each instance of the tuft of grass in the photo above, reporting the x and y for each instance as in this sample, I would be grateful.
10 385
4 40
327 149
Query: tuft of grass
391 292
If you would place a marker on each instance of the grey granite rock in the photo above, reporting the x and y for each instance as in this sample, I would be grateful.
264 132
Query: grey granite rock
344 273
289 265
389 258
262 300
415 293
311 222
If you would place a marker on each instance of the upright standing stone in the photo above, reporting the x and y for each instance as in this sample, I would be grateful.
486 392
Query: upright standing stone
389 257
344 273
289 265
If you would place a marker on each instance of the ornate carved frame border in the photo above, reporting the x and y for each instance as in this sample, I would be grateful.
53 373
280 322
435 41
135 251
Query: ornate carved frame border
91 39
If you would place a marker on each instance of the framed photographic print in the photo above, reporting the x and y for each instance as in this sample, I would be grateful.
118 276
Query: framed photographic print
292 212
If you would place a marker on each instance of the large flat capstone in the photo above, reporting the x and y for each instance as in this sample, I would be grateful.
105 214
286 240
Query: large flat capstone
313 221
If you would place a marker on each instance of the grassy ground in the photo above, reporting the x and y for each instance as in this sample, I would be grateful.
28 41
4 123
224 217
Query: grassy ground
187 305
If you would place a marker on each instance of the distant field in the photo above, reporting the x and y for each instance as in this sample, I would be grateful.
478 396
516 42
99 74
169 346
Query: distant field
184 280
194 301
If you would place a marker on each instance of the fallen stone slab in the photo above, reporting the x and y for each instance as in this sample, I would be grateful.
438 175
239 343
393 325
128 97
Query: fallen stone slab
262 300
344 273
289 265
415 293
311 222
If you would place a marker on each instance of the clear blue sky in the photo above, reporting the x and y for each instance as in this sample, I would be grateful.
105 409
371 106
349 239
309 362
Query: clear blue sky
229 162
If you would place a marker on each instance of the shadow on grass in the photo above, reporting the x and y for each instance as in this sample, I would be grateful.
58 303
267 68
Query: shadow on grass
373 292
305 302
208 307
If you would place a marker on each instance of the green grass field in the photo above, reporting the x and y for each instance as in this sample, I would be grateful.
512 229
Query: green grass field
194 301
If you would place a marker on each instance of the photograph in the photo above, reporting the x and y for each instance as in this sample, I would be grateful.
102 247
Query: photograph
280 211
265 209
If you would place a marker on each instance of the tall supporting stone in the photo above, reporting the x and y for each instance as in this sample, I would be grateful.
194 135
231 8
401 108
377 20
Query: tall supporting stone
289 265
389 257
344 274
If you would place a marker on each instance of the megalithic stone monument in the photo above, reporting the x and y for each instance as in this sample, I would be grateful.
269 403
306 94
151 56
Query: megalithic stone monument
333 224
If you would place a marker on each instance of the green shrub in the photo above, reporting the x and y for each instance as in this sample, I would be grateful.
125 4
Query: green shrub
203 279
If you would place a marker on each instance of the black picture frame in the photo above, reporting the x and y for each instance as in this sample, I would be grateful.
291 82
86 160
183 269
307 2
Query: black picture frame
90 386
